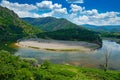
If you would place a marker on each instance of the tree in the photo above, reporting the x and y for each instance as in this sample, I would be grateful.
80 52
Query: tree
107 57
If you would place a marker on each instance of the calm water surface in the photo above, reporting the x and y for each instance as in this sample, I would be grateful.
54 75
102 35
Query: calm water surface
85 59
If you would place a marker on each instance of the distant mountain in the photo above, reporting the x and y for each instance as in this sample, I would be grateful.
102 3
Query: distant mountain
12 27
110 28
74 34
50 23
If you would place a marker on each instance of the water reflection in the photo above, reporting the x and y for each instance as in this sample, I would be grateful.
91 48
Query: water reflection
91 59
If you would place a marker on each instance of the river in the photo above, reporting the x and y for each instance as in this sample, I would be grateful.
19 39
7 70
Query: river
84 59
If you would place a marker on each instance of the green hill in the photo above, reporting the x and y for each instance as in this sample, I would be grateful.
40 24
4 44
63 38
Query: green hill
74 34
50 23
12 27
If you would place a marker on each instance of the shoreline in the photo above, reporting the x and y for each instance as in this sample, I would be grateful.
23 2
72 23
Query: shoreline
112 39
57 45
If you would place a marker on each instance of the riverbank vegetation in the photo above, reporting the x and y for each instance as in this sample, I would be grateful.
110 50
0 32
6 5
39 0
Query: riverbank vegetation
113 36
74 34
16 68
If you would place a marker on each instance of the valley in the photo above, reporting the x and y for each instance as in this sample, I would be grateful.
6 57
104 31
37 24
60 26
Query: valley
54 48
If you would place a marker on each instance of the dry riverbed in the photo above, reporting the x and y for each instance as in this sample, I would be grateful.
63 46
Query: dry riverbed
57 45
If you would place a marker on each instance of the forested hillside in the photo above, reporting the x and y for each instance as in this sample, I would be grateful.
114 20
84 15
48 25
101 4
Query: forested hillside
50 23
12 27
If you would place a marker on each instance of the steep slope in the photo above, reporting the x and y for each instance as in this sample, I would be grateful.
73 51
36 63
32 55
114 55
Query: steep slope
75 34
50 23
12 27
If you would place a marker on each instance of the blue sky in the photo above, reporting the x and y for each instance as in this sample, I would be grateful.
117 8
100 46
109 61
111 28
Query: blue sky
94 12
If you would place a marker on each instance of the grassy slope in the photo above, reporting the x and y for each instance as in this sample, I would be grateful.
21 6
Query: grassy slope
25 69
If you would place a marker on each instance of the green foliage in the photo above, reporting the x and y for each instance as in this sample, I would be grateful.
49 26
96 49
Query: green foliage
100 75
75 34
12 68
45 65
31 61
111 34
24 74
15 68
114 36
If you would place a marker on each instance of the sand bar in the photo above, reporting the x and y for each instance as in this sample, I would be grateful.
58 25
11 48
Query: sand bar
57 45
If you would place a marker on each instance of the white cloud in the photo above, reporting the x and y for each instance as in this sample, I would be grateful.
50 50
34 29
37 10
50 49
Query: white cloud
29 10
56 9
27 14
77 14
17 7
60 11
80 15
48 5
74 1
45 5
23 10
92 12
76 8
57 6
46 14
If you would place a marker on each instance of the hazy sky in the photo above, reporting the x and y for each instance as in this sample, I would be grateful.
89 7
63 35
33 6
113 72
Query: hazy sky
95 12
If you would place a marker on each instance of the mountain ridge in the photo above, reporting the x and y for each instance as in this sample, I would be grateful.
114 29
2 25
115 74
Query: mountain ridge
50 23
109 28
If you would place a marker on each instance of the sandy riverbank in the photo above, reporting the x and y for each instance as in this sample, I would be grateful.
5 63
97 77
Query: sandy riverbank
58 45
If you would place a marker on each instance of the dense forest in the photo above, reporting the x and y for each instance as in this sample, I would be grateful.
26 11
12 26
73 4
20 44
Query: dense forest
17 68
75 34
